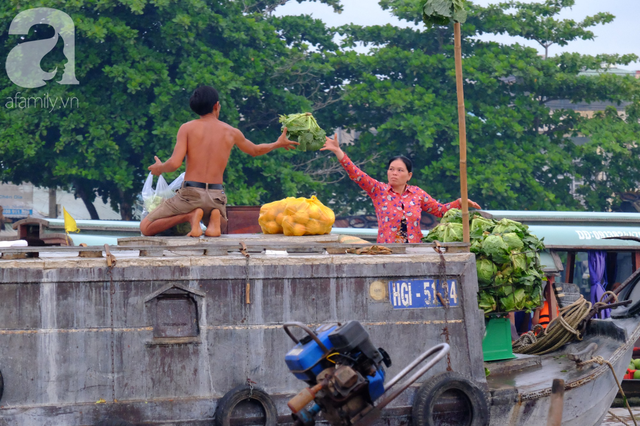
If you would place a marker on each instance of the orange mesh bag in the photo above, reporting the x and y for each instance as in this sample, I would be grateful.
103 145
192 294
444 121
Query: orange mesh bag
271 216
304 216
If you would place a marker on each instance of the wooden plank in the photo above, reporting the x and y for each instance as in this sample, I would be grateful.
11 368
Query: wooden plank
557 403
223 248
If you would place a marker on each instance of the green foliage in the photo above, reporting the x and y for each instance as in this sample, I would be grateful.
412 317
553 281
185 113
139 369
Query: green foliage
609 160
537 21
441 12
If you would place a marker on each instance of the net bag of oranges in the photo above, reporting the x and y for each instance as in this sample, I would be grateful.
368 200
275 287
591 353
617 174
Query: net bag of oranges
296 216
271 216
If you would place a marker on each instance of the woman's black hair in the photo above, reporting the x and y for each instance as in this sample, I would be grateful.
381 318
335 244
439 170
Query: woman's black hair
404 159
203 99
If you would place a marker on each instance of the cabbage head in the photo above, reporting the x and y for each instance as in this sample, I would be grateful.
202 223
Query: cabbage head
495 247
513 241
514 301
507 225
518 263
304 129
452 216
452 232
480 225
445 233
486 270
487 302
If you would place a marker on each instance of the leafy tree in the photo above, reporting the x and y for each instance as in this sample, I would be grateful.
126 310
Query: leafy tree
520 152
137 63
538 22
608 162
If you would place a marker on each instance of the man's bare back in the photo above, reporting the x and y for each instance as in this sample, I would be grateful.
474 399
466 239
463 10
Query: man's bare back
209 144
206 143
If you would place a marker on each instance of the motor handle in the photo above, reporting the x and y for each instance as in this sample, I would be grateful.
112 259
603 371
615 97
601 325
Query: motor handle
310 332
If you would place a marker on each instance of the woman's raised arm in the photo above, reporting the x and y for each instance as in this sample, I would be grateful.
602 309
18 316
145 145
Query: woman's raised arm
364 181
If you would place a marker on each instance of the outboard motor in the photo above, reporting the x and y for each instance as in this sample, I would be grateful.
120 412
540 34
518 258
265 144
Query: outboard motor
345 373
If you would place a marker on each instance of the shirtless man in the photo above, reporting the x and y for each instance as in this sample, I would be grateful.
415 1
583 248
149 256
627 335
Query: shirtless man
206 143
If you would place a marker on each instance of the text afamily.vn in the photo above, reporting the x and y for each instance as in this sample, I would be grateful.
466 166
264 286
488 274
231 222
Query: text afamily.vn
41 102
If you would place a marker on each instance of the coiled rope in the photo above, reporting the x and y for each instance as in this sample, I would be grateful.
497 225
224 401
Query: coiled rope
560 331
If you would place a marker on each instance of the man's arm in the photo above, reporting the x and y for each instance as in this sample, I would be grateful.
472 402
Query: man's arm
254 150
177 157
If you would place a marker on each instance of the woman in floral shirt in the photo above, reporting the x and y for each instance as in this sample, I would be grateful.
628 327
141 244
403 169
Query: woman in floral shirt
398 205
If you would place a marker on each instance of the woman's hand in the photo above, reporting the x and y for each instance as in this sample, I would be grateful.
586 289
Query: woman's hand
333 146
470 204
474 205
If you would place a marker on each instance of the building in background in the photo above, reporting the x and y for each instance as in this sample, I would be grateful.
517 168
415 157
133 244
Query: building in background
25 200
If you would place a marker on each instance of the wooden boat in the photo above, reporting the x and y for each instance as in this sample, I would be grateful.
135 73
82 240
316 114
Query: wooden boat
162 333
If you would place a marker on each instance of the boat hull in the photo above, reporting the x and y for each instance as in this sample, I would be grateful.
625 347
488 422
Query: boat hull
81 342
589 390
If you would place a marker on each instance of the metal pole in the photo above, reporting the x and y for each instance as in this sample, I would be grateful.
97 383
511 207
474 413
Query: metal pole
462 130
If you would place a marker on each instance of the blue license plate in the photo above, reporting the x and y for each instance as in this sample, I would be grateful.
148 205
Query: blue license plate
416 294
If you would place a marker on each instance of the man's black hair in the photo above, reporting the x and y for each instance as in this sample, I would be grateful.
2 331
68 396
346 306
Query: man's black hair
203 100
404 159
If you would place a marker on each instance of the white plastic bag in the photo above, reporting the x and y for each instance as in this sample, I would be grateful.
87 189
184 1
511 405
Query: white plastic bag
152 198
176 184
147 191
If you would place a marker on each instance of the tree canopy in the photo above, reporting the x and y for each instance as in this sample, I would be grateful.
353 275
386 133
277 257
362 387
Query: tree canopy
138 61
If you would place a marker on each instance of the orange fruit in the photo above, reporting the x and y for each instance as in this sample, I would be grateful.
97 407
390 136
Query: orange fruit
268 215
314 227
279 218
314 212
299 230
301 218
272 228
287 225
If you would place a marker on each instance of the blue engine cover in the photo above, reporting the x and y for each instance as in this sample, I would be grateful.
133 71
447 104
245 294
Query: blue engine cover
303 357
376 385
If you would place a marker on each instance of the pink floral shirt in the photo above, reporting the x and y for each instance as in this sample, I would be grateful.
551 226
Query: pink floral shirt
388 204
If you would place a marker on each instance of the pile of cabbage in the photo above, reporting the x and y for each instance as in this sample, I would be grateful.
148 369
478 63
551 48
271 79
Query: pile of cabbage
507 259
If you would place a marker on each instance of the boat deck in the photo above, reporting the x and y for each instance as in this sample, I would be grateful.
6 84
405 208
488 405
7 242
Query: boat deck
529 378
225 245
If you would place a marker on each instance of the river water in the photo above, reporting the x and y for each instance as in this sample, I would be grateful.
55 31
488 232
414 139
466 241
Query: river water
620 416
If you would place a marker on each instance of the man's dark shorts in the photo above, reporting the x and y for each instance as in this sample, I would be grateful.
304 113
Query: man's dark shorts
190 198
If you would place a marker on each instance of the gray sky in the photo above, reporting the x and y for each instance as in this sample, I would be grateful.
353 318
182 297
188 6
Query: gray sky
621 36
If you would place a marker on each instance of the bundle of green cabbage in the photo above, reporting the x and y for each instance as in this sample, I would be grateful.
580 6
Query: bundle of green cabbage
304 129
507 259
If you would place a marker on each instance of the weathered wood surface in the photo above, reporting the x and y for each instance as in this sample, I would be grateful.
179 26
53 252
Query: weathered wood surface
73 331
